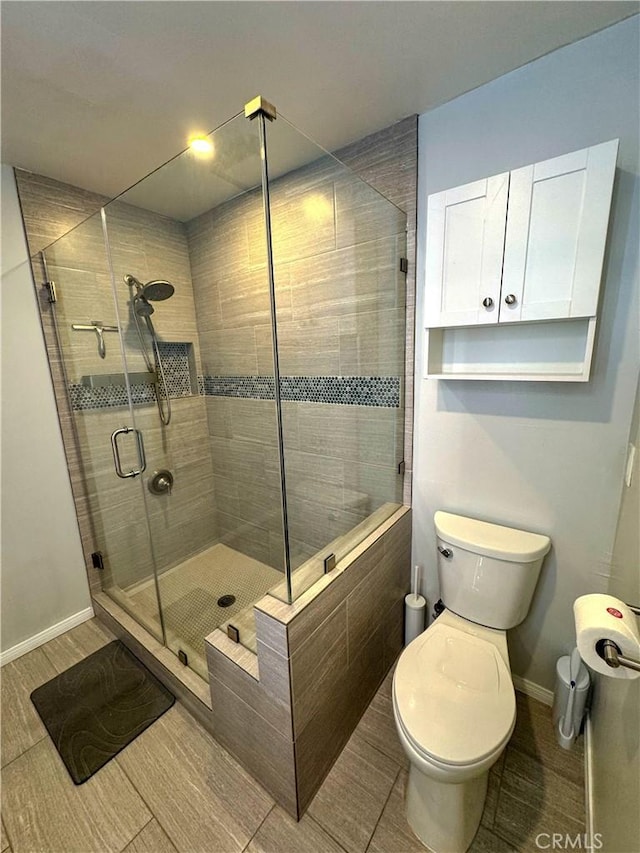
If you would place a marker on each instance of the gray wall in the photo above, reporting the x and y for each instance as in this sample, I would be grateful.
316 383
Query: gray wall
541 456
615 711
43 577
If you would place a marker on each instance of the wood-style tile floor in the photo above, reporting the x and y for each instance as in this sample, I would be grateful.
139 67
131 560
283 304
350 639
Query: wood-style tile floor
174 788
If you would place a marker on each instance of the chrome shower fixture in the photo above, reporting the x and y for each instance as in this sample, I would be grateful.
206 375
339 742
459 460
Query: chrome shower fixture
153 291
142 295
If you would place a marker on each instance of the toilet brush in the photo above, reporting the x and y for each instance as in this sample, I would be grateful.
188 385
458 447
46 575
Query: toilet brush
566 733
415 609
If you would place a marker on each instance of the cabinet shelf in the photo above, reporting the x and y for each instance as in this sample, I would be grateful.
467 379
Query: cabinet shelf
555 351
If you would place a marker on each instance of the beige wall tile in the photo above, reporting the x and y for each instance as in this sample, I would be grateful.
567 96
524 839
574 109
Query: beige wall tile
329 729
352 433
308 347
302 216
360 278
249 689
318 667
318 610
229 352
259 747
272 632
45 218
372 599
273 672
362 214
373 343
245 300
245 537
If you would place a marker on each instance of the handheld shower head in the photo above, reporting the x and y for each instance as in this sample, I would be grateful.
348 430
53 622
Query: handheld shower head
142 295
142 307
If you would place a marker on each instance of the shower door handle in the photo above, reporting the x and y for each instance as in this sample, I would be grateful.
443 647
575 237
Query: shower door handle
116 452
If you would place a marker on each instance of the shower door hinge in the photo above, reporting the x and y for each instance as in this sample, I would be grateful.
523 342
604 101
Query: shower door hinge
329 563
404 265
233 633
50 287
183 657
401 467
97 560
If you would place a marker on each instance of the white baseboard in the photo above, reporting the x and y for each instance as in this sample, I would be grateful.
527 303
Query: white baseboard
588 780
530 688
44 636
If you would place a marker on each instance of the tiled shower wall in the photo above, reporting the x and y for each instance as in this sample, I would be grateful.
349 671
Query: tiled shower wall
341 314
111 510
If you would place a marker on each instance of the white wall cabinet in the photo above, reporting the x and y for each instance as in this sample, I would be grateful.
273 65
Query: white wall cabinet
519 248
465 245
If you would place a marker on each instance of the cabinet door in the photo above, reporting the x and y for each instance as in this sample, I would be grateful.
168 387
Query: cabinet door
556 234
465 242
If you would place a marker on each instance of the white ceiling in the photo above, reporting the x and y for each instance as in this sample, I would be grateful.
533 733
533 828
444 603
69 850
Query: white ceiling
97 94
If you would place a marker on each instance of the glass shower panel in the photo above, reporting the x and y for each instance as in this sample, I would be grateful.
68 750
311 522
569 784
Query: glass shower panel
340 297
97 373
212 486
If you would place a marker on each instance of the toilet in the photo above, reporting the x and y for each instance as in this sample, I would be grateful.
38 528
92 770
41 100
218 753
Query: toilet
453 697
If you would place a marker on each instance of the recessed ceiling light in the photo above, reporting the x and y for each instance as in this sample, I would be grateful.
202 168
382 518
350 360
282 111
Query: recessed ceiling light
201 145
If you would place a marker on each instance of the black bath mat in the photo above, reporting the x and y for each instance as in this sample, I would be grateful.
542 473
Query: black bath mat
93 710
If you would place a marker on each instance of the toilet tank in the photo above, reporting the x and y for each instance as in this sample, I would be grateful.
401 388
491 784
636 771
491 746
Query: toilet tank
487 572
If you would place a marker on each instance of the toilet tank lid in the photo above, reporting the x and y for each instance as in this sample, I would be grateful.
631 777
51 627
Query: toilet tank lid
491 540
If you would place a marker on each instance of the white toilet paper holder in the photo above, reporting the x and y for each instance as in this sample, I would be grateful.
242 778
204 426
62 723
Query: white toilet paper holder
612 655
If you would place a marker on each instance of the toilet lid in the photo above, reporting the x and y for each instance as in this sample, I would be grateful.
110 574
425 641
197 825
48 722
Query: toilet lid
454 695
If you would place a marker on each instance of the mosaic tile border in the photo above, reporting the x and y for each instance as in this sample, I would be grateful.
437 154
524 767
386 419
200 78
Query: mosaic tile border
175 360
378 391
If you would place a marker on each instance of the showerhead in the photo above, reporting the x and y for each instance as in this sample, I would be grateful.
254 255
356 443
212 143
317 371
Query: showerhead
154 291
157 290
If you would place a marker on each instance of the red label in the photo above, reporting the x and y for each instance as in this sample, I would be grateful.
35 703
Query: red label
614 612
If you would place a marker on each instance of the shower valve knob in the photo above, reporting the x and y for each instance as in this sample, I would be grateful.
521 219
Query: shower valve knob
161 482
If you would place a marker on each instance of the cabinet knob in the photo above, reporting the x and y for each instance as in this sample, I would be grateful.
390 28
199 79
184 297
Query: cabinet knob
510 299
487 302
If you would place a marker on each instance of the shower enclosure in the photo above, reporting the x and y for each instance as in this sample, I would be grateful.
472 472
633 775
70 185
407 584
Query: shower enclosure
232 330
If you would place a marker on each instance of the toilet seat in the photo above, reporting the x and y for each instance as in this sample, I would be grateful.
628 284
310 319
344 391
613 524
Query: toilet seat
454 697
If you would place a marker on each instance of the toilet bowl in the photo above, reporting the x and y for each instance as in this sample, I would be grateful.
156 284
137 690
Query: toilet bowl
453 698
455 710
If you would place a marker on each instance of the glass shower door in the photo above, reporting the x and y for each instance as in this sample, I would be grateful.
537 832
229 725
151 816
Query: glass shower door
197 223
103 373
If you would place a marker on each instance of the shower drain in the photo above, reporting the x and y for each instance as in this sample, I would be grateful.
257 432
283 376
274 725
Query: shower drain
226 600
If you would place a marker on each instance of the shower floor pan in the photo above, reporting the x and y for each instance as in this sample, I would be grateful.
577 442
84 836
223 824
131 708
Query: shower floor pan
190 592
